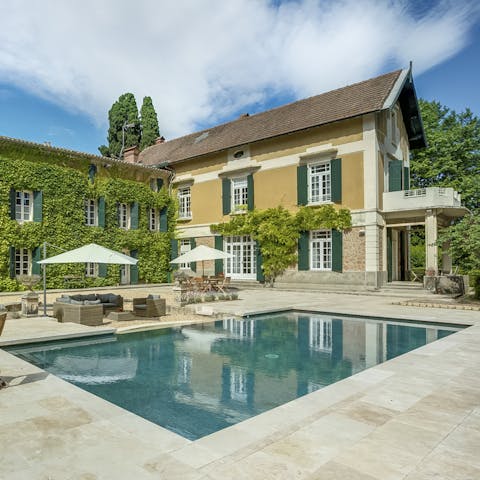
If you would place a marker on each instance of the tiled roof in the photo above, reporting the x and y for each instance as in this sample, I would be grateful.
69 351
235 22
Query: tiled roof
347 102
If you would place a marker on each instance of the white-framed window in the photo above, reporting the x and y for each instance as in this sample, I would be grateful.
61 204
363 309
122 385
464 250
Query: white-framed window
153 219
239 194
320 334
124 216
321 250
91 269
319 183
23 206
238 384
184 202
23 261
185 246
91 212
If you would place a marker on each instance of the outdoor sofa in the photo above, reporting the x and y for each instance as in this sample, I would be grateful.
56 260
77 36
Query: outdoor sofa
88 309
150 306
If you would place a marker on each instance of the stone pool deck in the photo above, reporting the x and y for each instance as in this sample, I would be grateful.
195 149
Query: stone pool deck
414 417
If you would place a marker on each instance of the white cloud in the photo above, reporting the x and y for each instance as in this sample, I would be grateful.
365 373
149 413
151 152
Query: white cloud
202 61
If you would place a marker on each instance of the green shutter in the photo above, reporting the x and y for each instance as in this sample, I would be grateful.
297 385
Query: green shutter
193 265
159 184
102 270
92 170
336 179
37 205
226 196
260 275
13 197
394 175
337 251
218 262
36 257
251 192
134 216
12 262
406 178
134 269
101 212
303 254
164 219
302 185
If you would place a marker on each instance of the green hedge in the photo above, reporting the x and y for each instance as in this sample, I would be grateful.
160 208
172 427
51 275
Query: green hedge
65 184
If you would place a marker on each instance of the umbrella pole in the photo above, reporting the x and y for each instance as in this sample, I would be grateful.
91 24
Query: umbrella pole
44 271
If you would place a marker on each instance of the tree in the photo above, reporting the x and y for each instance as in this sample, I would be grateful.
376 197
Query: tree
277 231
452 157
149 120
123 112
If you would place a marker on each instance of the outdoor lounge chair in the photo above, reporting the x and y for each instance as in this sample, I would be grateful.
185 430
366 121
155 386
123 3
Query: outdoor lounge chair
149 306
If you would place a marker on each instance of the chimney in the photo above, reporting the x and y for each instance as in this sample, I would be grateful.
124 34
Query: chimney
159 140
130 155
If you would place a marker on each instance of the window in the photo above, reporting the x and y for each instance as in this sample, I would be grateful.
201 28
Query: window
153 219
23 206
184 203
320 334
23 261
239 194
91 269
319 183
321 250
185 246
123 216
243 264
91 215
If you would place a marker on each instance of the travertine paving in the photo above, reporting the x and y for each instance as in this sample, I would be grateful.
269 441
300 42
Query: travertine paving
414 417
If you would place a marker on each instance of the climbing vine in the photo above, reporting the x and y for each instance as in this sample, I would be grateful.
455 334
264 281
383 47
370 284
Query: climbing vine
65 184
276 230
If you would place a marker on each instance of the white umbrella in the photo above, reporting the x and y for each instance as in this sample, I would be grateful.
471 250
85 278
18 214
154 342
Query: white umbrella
200 254
92 253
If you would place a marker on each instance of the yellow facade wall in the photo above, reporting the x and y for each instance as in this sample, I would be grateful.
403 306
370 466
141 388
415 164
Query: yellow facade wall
276 187
352 181
206 164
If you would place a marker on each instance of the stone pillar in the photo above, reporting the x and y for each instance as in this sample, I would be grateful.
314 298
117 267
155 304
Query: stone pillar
431 236
446 258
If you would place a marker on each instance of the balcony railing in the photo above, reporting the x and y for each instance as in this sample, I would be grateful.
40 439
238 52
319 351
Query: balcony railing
432 197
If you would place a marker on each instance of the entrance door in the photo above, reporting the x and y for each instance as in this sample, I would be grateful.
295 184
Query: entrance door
243 265
124 274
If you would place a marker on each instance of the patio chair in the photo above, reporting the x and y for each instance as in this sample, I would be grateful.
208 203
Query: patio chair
223 285
149 306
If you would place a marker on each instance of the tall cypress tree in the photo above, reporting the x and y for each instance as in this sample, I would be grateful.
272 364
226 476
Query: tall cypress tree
150 130
123 112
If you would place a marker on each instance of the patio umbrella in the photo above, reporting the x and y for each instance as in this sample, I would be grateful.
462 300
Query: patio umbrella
92 253
200 254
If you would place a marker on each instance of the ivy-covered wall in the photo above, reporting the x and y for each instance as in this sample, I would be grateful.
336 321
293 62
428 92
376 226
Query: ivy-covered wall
63 178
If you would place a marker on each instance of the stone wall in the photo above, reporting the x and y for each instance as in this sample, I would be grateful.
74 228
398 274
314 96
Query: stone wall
354 250
209 265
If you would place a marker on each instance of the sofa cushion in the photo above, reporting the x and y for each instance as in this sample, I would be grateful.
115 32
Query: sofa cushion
76 302
77 298
92 302
109 304
63 300
103 297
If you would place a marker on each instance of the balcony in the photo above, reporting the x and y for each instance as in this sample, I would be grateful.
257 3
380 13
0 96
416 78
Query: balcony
421 199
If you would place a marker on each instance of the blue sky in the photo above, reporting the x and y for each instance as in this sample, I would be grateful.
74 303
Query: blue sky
205 65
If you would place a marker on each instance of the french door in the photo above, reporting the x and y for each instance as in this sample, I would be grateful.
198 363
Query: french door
243 265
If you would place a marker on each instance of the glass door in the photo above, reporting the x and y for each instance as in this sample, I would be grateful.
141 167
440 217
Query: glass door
243 265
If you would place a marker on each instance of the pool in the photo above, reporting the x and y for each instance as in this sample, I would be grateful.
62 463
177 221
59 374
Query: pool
197 379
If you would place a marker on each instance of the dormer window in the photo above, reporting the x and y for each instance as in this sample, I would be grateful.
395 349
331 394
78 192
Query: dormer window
239 154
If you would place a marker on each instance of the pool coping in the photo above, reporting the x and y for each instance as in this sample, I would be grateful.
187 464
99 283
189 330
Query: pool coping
211 454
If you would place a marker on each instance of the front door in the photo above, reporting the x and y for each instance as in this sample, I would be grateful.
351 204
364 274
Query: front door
125 274
243 265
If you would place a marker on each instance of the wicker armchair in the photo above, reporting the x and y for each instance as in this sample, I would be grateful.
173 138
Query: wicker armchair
149 307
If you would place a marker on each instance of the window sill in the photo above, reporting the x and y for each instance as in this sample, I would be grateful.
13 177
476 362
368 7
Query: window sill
238 212
316 204
24 221
184 219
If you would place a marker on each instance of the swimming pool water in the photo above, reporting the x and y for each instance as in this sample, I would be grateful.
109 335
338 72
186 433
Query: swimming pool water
198 379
